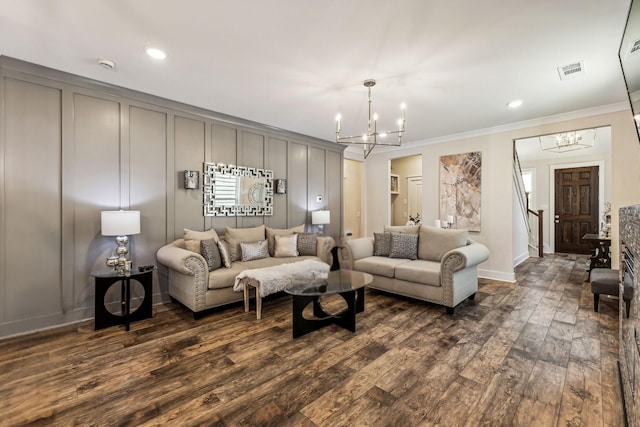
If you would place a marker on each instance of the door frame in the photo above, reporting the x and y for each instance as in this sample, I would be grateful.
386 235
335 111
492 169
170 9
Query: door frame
552 199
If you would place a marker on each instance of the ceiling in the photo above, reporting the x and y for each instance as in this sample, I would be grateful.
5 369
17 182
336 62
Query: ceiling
294 64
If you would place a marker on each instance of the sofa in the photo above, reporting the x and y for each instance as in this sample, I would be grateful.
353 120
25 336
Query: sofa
422 262
200 286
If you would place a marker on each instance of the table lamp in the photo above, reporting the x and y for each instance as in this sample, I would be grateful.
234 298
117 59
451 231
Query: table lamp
320 218
120 224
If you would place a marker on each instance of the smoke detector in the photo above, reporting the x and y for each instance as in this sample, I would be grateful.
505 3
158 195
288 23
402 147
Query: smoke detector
571 71
107 63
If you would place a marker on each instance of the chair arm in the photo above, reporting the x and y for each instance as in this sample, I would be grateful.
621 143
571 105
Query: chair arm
181 260
354 249
325 244
463 257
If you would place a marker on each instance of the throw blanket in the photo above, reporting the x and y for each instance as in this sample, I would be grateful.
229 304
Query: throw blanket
278 277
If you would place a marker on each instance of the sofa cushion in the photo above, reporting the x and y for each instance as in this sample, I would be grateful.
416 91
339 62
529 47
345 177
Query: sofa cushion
419 271
404 229
192 238
254 250
381 244
211 253
361 248
435 242
380 266
273 232
404 246
286 246
235 236
307 243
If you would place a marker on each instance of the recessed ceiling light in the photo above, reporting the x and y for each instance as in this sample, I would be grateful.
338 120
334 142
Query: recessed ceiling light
515 104
156 53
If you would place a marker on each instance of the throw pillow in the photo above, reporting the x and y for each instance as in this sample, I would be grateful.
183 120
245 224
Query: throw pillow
286 246
224 253
404 246
273 232
405 229
381 244
235 236
211 253
308 244
435 242
255 250
192 238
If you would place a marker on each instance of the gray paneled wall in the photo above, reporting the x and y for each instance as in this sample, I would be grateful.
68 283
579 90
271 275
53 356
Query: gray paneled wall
72 147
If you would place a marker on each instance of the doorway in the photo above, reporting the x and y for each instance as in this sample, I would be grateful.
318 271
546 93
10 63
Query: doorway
576 207
403 204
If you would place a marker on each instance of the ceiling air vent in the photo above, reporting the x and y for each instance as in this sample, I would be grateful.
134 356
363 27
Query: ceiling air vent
572 70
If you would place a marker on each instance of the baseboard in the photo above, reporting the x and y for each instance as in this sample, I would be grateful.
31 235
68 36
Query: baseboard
520 259
497 275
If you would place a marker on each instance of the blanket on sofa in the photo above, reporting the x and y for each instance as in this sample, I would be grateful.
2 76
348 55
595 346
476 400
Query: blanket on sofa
277 278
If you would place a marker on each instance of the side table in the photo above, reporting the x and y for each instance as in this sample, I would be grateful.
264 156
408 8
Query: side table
104 280
600 250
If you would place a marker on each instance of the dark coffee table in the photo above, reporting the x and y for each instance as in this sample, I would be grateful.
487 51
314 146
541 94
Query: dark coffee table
346 283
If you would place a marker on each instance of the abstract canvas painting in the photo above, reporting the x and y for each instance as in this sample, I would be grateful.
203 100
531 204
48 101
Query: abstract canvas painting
460 189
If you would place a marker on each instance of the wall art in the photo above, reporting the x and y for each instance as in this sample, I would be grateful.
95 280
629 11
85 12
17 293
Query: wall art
460 189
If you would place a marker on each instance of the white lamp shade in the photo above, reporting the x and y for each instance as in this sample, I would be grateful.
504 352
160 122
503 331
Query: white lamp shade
320 217
120 223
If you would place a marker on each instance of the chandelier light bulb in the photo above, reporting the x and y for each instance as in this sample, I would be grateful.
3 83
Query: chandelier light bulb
338 117
403 106
375 116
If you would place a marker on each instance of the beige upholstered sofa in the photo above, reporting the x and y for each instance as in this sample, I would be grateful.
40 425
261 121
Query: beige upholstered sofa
192 284
444 271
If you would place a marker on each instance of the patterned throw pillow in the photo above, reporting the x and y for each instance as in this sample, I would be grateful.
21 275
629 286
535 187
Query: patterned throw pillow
224 253
286 246
211 253
308 243
381 244
404 246
255 250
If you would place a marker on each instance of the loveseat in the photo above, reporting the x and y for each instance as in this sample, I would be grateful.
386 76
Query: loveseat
422 262
194 283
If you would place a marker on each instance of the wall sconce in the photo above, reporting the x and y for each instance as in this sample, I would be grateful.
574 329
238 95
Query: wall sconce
281 186
191 180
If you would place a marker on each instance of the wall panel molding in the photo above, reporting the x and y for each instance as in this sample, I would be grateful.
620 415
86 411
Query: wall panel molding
118 148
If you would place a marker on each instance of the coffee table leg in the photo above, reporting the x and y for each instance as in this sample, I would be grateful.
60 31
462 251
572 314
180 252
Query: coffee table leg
347 319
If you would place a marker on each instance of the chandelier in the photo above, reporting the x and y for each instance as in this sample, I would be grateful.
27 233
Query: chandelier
372 137
568 141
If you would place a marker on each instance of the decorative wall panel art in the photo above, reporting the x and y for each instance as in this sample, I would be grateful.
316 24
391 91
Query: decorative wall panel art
460 189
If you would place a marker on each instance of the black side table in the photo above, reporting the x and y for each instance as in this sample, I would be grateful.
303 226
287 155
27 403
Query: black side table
104 280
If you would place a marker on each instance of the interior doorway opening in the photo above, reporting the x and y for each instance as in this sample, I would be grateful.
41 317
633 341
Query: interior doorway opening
406 194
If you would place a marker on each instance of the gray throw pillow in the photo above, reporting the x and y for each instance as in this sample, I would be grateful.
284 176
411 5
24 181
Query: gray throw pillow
211 253
381 244
307 243
404 246
255 250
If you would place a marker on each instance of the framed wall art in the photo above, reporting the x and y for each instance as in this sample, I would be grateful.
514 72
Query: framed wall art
460 189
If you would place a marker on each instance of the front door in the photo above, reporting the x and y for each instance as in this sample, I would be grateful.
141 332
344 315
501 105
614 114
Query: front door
576 206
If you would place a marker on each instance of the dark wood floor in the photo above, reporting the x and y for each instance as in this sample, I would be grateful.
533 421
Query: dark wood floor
528 353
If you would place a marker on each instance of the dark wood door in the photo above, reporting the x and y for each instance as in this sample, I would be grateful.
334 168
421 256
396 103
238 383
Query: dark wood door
576 206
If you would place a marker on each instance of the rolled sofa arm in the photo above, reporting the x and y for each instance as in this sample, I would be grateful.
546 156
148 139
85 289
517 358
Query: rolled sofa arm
466 256
353 250
325 244
181 260
188 275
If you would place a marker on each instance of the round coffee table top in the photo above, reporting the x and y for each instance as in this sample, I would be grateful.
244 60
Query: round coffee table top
338 281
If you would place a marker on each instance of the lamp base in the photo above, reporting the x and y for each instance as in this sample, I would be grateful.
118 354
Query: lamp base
320 229
118 262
